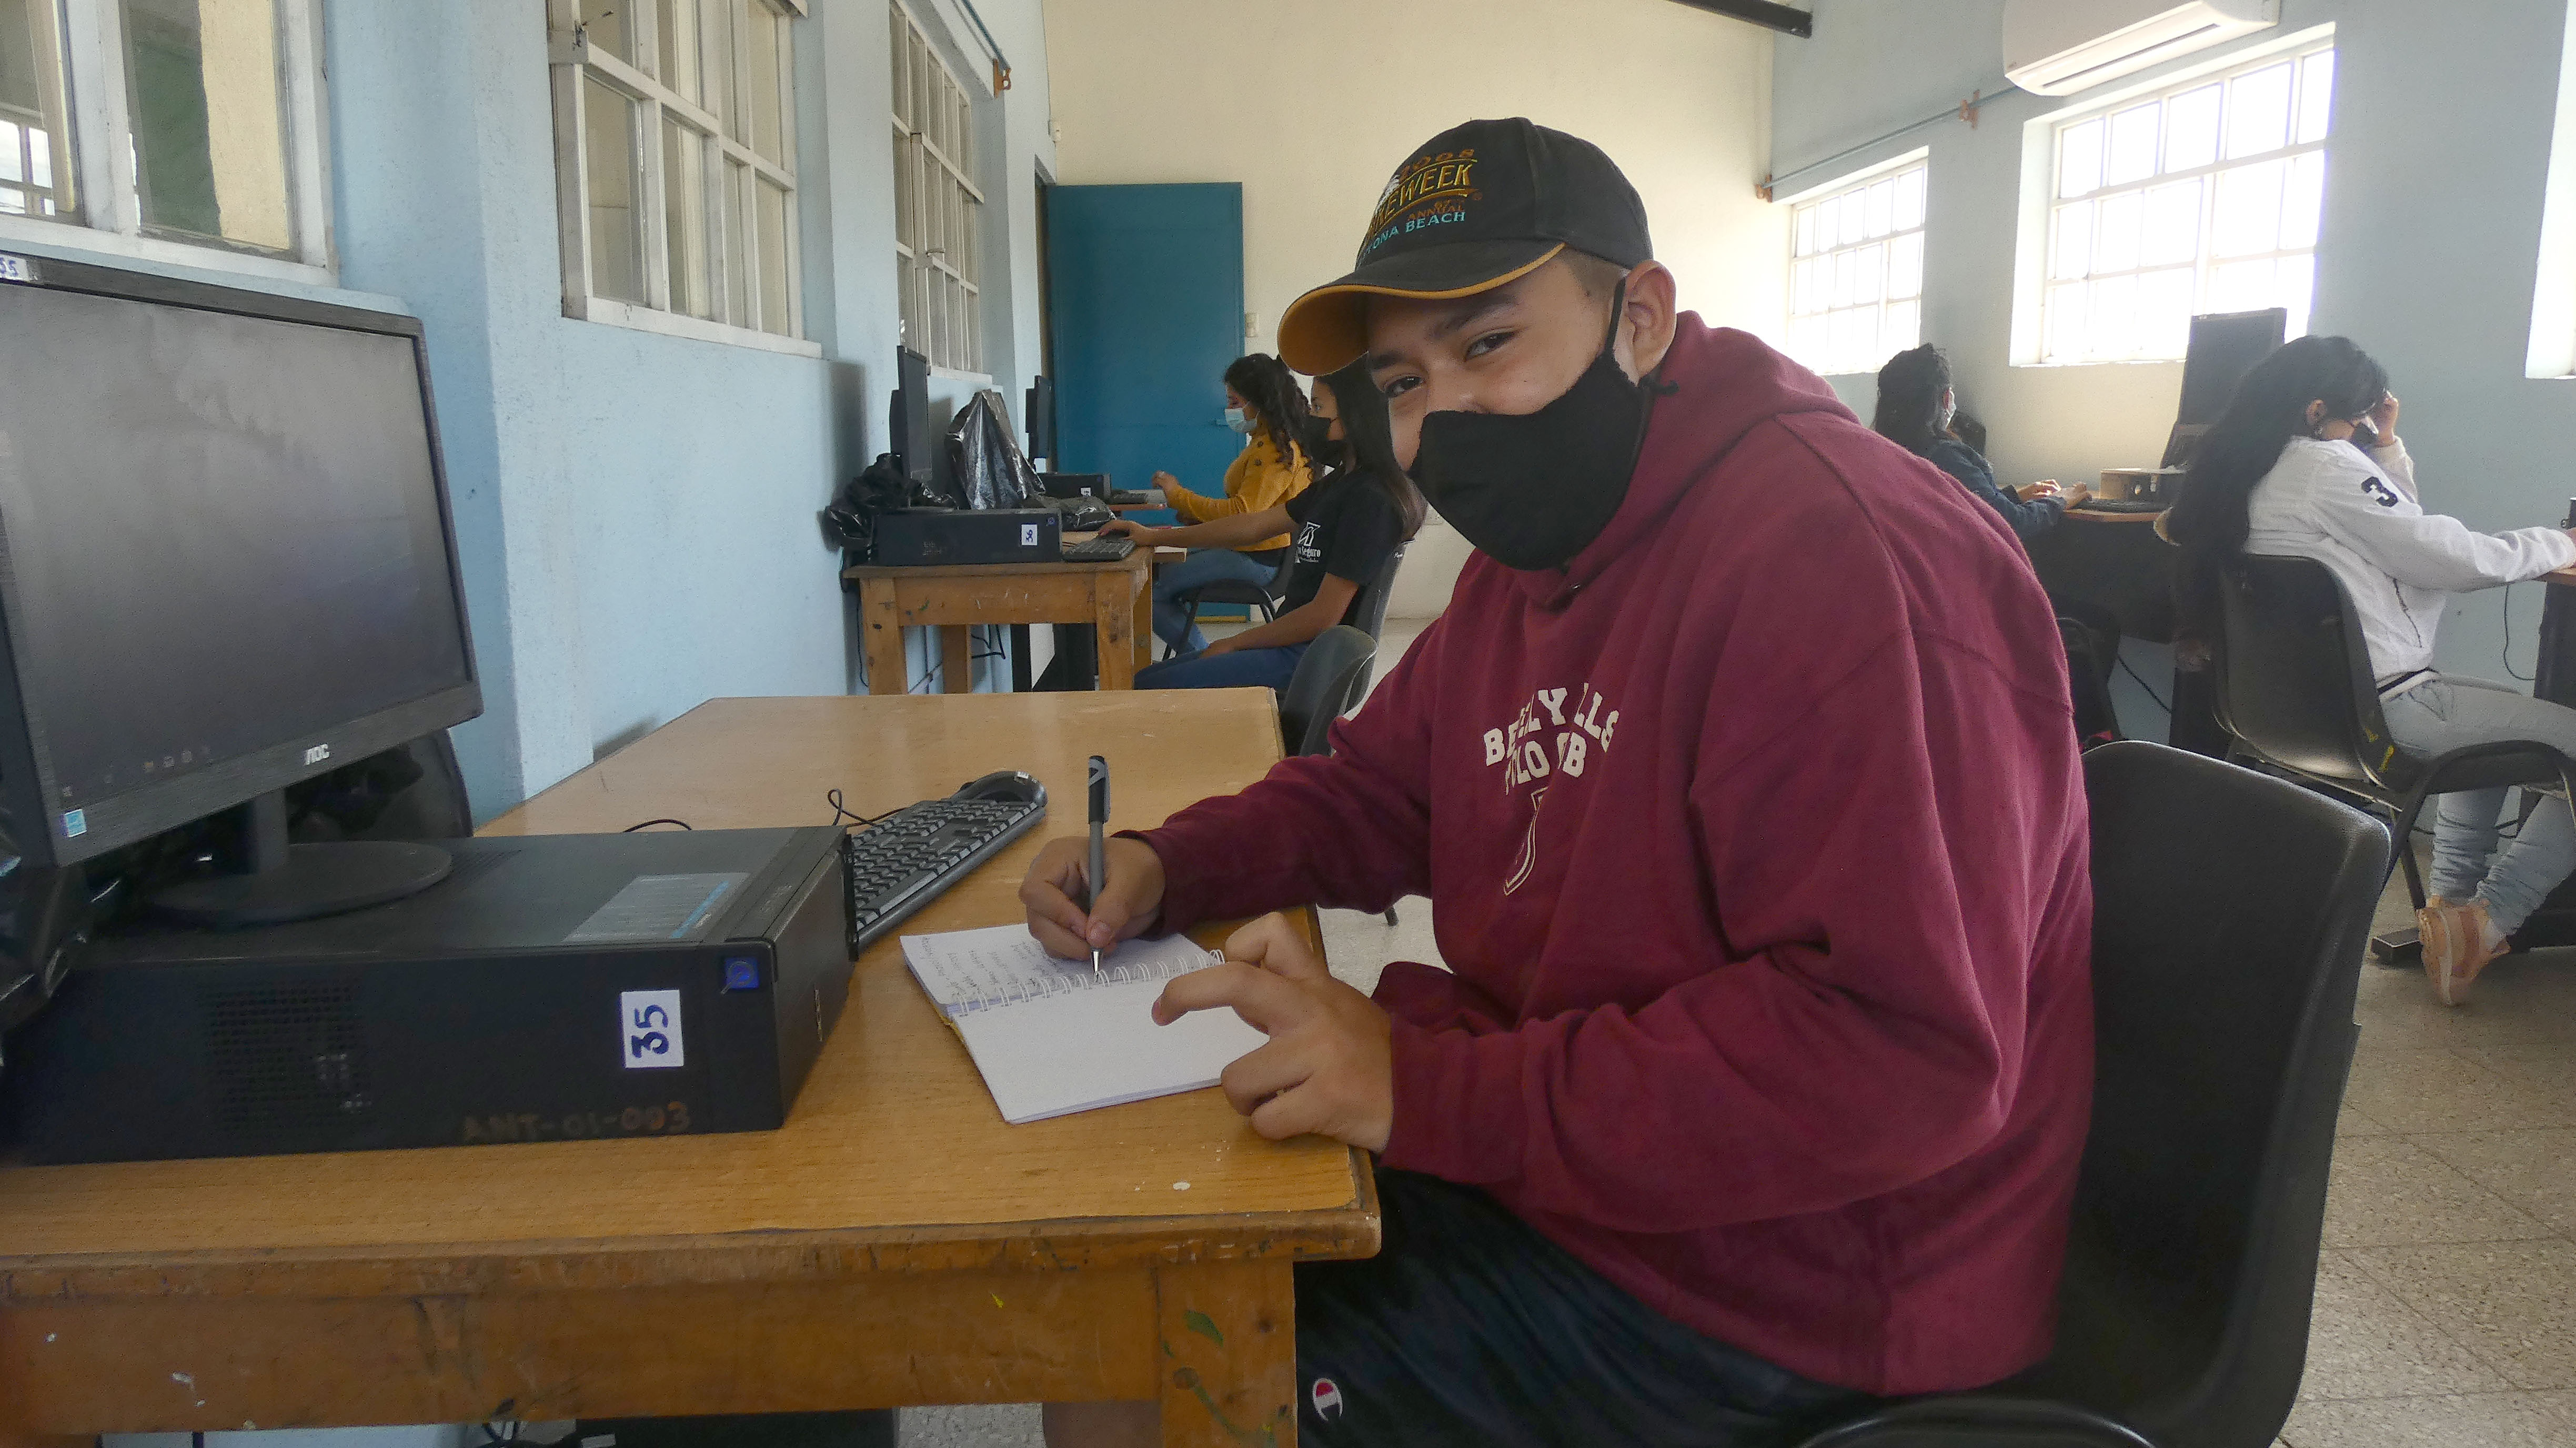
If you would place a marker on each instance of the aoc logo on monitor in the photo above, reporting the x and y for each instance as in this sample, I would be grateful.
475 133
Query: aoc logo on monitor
317 754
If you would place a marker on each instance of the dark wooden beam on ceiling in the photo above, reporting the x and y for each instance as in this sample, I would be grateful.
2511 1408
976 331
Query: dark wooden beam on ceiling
1785 18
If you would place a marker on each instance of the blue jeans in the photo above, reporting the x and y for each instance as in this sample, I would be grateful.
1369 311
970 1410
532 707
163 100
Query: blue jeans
1250 668
2450 713
1204 566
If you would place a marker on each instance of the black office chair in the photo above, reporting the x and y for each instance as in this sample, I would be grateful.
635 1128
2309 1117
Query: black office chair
1236 592
1330 678
1326 683
2296 691
2229 911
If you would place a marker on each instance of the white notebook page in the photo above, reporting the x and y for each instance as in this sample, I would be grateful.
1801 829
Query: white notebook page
1050 1040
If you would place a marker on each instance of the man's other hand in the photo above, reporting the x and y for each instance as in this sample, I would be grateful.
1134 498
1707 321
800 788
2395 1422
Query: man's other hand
1329 1068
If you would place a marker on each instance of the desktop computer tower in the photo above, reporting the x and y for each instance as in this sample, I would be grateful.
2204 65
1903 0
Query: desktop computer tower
553 987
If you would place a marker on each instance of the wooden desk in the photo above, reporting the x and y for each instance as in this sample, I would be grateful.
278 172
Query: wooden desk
2114 561
1115 598
894 1243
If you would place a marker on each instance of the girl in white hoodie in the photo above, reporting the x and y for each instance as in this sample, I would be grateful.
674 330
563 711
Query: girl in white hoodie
2307 463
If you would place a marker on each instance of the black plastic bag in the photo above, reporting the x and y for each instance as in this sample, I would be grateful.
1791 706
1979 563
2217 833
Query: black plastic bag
984 457
850 520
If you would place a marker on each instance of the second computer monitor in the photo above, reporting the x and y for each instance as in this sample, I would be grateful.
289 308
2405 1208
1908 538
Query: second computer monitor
2224 347
913 441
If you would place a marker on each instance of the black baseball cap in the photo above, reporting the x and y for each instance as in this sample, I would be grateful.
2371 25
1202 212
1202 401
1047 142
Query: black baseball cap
1478 205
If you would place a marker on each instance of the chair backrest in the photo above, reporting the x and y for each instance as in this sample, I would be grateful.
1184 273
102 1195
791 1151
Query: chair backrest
2294 677
2230 911
1328 678
1368 611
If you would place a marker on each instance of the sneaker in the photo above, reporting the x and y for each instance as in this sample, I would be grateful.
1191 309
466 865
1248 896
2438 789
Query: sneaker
2455 946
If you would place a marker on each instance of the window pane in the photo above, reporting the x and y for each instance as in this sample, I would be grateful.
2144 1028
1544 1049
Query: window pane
1851 220
1869 273
715 52
2191 129
1903 327
616 229
1854 347
773 259
2133 145
1909 199
2172 231
2303 200
35 148
1807 340
1846 280
1805 245
684 210
2069 312
681 70
1803 286
2079 158
604 21
2115 239
2258 111
760 39
2316 95
1905 265
2248 216
1880 207
2114 331
2074 253
209 132
2294 282
2241 286
2164 312
737 265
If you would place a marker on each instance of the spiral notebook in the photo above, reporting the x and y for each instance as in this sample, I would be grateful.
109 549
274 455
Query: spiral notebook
1052 1040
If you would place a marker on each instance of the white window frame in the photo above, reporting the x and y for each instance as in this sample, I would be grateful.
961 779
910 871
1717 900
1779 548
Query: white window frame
108 217
2039 200
1851 184
572 59
933 290
2552 352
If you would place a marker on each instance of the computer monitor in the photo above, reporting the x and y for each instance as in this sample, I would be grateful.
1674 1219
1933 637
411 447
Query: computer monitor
1040 408
227 565
2224 347
915 445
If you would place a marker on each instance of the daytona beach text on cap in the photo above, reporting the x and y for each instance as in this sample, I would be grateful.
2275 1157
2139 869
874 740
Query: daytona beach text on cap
1478 205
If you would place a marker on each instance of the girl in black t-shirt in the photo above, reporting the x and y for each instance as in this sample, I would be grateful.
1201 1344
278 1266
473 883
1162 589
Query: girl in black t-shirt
1340 530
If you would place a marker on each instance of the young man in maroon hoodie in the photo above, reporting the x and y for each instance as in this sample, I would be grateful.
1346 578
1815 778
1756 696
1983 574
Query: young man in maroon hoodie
1741 775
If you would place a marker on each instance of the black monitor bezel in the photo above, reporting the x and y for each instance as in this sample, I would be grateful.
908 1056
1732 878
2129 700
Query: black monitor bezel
2214 323
27 784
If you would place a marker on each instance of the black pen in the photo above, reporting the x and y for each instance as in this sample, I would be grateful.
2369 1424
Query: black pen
1098 879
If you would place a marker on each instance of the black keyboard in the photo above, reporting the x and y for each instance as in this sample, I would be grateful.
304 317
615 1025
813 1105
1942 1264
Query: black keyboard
910 857
1129 497
2121 505
1108 548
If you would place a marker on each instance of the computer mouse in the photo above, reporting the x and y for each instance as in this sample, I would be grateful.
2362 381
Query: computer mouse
1008 786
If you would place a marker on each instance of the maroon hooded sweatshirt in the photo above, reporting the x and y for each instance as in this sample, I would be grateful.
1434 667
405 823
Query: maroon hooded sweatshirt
1756 839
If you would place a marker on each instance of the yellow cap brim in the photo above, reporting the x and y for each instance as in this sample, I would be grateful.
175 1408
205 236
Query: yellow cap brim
1327 329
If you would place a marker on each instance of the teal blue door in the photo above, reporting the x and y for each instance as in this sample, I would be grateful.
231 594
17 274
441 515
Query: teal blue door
1146 288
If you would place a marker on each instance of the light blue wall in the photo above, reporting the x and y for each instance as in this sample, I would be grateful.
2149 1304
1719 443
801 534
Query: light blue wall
2443 117
637 511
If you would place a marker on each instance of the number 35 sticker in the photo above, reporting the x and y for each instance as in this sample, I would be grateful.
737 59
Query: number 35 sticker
648 1030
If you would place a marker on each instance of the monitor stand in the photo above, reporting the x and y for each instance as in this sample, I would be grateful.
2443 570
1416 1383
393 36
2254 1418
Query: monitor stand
272 881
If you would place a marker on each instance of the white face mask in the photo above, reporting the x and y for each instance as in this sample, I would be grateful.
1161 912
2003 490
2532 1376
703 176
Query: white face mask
1949 410
1238 419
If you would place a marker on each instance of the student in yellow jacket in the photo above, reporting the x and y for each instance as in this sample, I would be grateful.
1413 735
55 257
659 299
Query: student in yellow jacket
1262 398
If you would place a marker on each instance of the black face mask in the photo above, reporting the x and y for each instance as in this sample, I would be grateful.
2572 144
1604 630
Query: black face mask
1535 489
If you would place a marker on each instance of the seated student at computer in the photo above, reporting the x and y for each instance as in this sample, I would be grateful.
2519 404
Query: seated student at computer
1915 405
1756 844
1343 527
2306 463
1262 399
